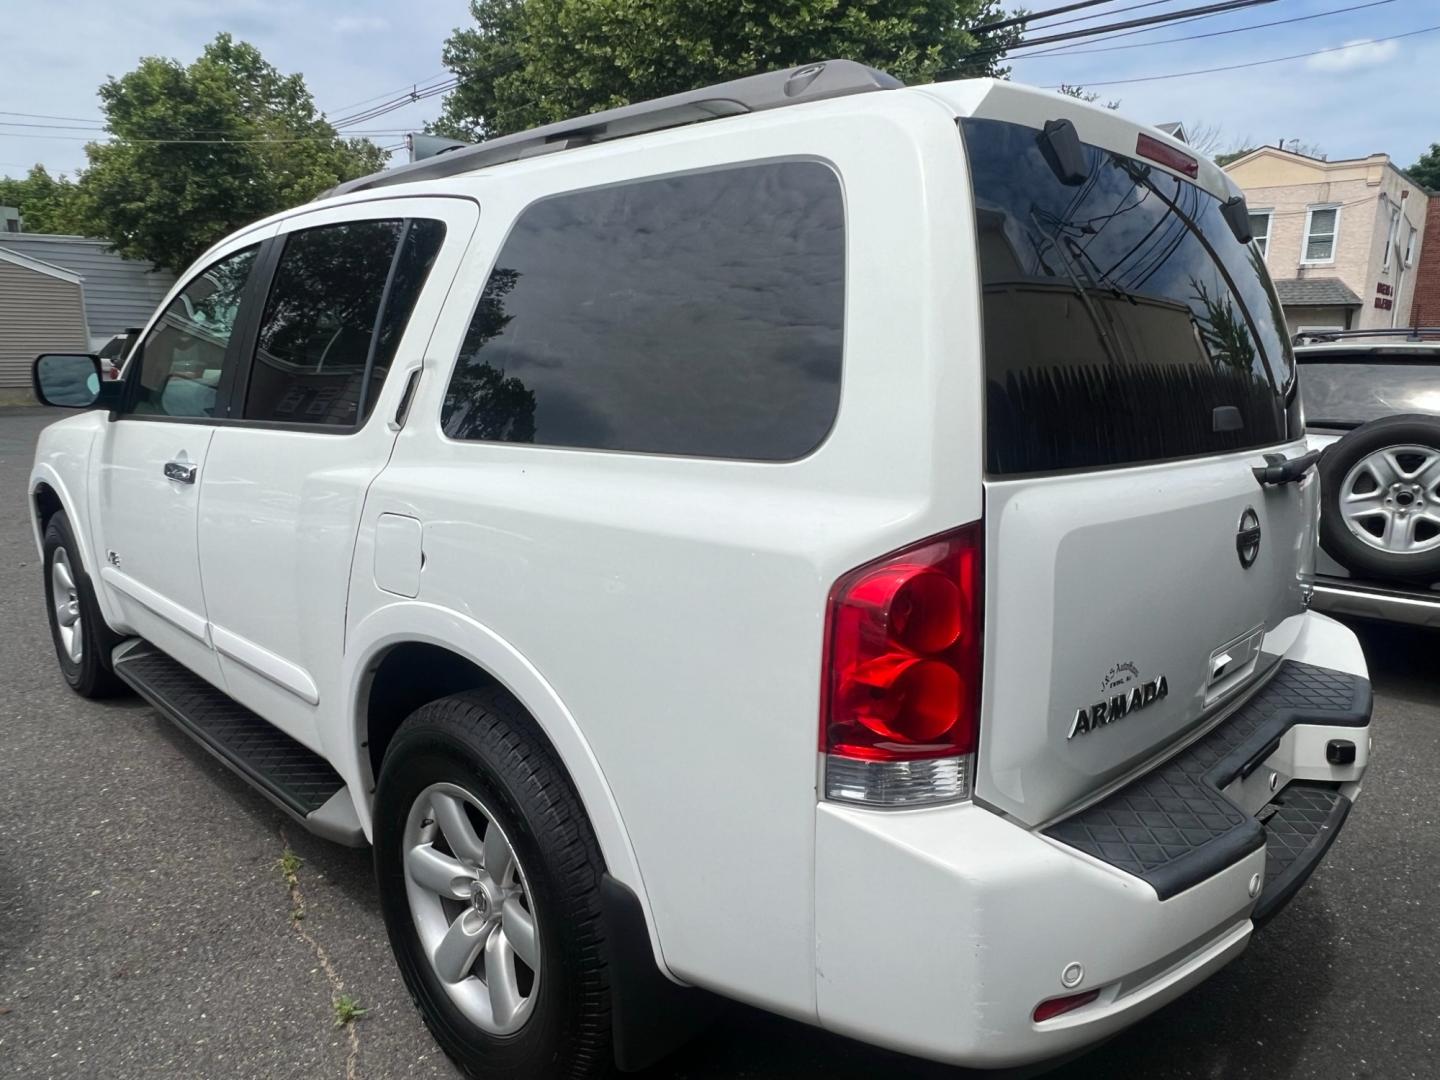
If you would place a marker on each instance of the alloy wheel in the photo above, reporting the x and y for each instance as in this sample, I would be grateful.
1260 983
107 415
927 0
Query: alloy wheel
65 598
471 906
1390 499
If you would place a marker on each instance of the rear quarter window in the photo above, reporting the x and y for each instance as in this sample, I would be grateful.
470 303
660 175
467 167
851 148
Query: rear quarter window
699 314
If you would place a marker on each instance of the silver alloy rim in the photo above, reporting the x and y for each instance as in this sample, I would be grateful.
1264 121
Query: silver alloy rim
471 906
65 598
1391 499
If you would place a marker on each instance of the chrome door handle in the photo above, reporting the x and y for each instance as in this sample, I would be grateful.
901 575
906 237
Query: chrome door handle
182 472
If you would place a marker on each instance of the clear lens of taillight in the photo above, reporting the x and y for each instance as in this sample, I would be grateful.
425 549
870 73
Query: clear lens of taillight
901 694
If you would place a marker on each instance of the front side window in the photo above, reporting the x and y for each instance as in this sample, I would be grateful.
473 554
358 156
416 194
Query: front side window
339 302
699 315
181 361
1321 225
1124 323
1260 230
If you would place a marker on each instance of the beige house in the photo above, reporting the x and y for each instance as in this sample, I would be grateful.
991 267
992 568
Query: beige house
1341 238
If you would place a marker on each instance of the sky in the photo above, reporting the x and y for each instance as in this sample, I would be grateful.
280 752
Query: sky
1354 100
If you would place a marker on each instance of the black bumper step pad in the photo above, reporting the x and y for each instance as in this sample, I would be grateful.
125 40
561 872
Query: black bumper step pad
1305 820
291 773
1172 827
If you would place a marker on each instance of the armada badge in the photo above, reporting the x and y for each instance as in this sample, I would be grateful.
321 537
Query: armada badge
1118 706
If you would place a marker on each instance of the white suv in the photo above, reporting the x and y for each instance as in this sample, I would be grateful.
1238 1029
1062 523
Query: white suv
825 544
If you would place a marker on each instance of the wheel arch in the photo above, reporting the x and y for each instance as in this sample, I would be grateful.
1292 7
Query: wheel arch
49 495
457 653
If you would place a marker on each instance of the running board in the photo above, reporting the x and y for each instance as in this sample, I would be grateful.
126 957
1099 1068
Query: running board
292 776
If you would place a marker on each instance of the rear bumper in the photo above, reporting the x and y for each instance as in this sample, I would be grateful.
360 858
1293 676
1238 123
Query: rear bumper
1413 606
939 931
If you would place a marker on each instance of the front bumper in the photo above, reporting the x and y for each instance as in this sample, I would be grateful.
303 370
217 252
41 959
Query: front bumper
939 931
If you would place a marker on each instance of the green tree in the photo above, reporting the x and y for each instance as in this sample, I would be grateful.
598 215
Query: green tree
47 204
1426 171
199 151
529 62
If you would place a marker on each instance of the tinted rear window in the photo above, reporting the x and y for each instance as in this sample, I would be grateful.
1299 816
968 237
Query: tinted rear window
1120 314
1343 388
699 314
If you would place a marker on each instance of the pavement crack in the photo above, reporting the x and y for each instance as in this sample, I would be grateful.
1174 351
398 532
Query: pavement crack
290 866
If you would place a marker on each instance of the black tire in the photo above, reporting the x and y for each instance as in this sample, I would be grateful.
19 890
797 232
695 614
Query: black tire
483 741
91 676
1338 460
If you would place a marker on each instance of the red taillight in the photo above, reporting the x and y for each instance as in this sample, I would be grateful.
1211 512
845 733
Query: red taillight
902 670
1048 1010
1147 146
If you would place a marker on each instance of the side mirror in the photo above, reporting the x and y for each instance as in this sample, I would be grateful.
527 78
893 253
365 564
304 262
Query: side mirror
67 380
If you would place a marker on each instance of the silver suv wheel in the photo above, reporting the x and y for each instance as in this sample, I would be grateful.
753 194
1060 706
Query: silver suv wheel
471 906
1390 499
65 596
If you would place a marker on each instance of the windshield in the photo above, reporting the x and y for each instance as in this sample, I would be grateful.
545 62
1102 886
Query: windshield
1124 323
1351 387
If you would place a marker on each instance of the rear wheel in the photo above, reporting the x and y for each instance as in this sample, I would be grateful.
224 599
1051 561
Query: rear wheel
82 640
1380 488
489 880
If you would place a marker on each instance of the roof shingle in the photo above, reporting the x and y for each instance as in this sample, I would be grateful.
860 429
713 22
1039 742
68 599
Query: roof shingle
1315 292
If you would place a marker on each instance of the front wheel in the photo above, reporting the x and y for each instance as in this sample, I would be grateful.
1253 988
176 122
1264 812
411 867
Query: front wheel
489 880
82 640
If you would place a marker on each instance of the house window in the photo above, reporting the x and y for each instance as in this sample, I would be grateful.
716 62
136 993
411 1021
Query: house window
1392 233
1322 225
1410 233
1260 229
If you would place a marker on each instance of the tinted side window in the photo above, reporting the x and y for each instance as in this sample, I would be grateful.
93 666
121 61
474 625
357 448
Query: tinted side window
698 314
181 361
338 306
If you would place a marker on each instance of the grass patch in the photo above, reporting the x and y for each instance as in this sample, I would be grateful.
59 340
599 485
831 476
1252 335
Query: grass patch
289 864
347 1010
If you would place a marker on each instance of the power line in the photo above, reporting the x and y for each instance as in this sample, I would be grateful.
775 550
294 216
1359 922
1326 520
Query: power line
1037 16
388 93
1210 9
1256 63
1102 14
1062 51
418 94
1114 36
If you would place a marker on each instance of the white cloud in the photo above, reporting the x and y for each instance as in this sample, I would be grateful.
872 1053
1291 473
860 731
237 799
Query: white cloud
1354 54
361 24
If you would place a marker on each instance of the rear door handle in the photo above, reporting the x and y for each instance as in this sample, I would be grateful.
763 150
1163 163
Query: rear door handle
182 472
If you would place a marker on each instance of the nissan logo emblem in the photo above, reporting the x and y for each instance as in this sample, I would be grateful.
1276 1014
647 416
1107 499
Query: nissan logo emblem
1247 538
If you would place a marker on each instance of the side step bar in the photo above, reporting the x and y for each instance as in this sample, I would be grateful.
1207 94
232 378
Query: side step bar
292 776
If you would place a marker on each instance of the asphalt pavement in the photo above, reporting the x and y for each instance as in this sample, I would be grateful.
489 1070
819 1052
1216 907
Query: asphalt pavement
146 930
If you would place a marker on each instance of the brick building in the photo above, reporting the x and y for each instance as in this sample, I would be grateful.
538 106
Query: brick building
1342 239
1426 310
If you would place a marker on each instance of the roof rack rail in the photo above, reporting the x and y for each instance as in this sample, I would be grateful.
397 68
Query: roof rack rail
755 93
1410 333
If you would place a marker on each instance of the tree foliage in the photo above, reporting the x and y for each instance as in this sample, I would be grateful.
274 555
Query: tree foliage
530 62
1090 97
1426 171
199 151
47 203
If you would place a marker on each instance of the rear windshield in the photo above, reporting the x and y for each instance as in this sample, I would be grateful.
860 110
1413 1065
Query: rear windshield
1124 323
1346 388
